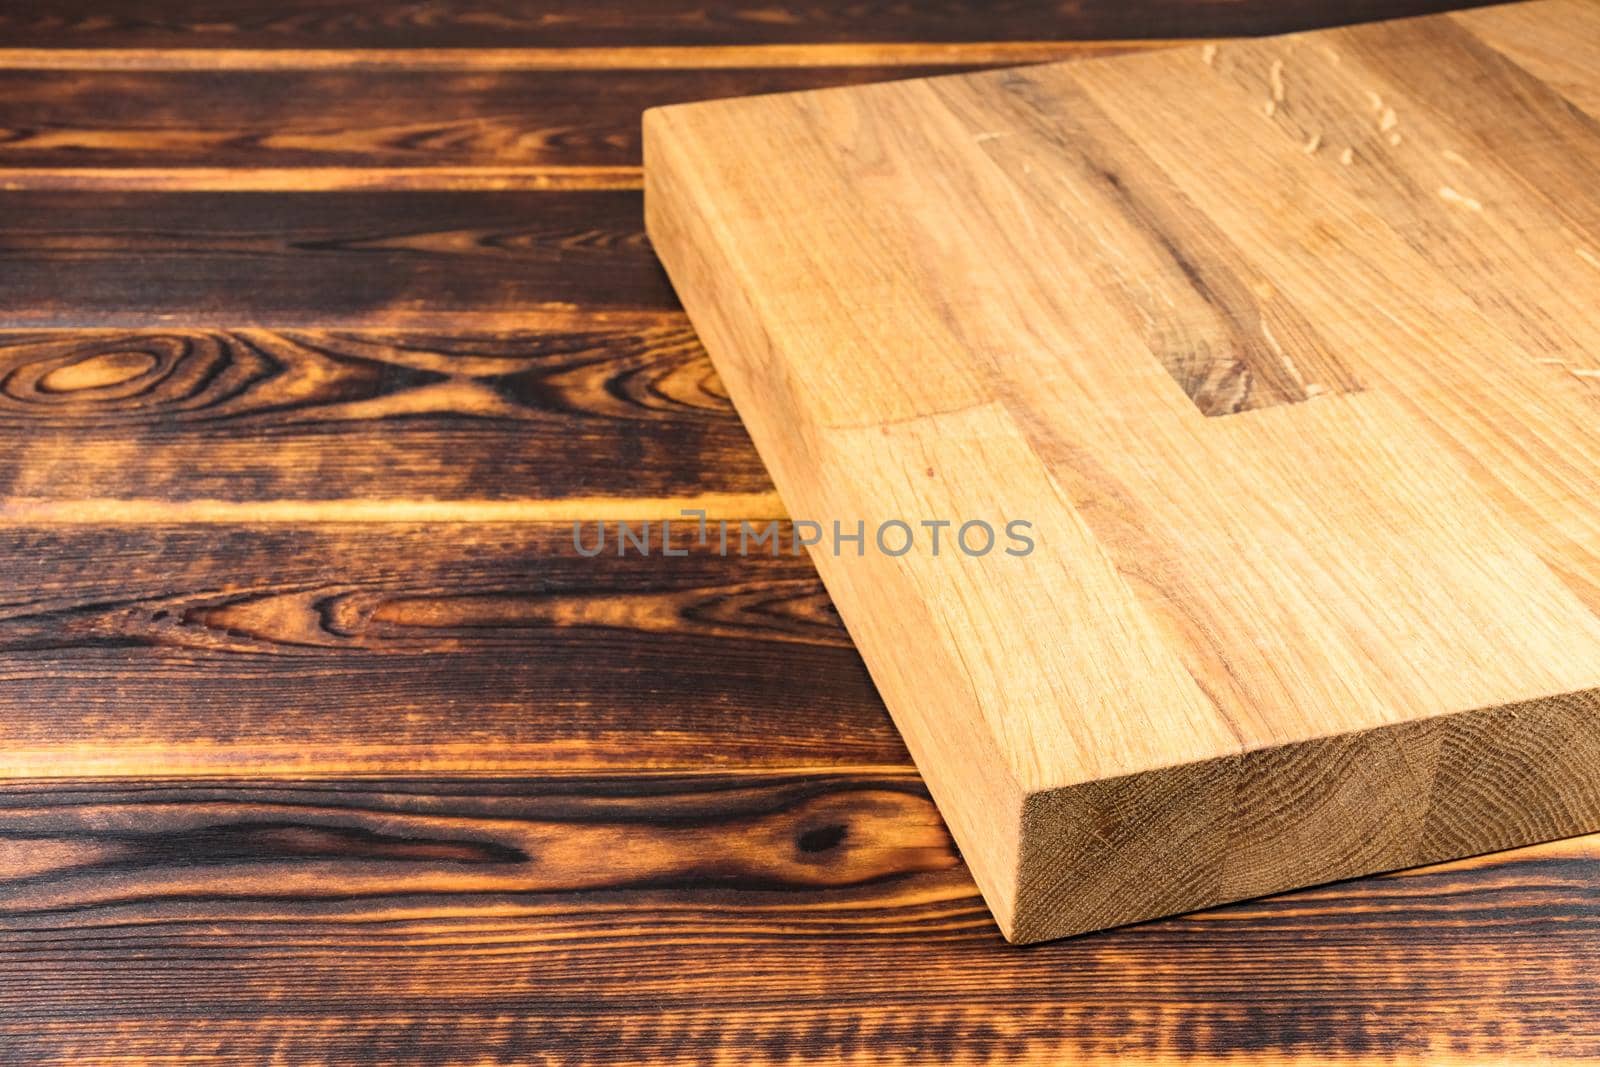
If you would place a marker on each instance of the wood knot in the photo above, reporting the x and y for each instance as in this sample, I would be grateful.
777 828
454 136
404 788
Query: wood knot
822 838
100 371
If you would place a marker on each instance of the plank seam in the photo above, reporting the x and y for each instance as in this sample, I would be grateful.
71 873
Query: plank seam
640 57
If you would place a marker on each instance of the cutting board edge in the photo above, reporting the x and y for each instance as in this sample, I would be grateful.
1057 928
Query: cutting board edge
1276 819
990 845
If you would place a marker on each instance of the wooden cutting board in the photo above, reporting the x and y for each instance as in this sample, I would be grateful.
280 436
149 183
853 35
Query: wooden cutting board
1287 352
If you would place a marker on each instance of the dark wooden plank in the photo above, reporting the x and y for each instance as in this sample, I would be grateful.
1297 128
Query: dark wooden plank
396 258
364 648
251 415
398 118
689 919
942 56
462 119
569 23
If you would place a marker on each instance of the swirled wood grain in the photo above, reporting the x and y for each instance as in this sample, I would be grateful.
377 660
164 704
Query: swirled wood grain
575 411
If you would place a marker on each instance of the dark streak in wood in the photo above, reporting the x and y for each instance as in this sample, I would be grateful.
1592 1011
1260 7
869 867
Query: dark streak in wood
1230 345
361 648
320 259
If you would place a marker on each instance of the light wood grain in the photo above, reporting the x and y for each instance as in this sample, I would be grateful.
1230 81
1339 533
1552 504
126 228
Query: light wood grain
1275 344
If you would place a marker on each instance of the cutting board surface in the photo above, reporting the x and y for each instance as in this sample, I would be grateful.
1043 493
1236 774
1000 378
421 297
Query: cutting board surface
1287 352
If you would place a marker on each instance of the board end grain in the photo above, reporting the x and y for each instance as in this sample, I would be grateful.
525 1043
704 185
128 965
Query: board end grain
1144 846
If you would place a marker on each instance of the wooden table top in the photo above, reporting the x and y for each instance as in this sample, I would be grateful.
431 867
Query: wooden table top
322 324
